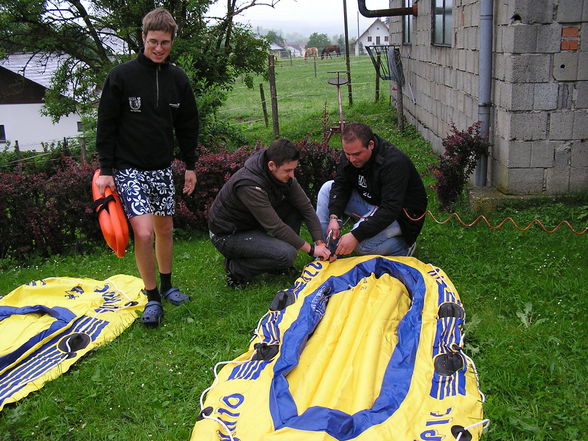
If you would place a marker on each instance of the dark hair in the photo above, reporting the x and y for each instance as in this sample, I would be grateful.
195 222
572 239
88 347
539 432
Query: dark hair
282 150
159 20
361 131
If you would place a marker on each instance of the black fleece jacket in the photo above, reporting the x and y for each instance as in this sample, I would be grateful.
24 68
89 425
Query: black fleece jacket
141 106
390 181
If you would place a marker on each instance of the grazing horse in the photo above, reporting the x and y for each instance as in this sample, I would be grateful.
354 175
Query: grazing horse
327 50
311 52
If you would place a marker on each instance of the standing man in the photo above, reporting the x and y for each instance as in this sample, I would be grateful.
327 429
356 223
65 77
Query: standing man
144 101
255 219
375 183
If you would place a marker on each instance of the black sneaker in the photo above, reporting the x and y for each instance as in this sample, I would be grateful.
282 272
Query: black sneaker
232 281
291 273
235 283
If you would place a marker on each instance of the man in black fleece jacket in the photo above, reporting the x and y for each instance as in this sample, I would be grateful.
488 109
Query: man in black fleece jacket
379 186
255 219
144 101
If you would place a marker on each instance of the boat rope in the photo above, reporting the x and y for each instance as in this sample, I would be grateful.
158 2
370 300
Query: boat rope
257 334
221 422
485 423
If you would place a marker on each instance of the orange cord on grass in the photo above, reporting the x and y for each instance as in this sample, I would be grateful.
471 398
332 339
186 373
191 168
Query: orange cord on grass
496 227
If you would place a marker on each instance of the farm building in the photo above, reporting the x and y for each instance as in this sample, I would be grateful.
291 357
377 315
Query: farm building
530 58
24 78
377 33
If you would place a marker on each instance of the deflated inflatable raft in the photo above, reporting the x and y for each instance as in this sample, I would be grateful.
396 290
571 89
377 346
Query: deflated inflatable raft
366 348
47 325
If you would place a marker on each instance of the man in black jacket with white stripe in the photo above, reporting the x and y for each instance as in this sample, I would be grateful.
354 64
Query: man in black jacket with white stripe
378 186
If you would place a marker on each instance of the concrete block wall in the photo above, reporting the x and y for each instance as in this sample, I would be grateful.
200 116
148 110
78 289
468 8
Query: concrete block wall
539 96
539 121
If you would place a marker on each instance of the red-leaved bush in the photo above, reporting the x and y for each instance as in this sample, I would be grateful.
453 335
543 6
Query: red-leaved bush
462 151
47 214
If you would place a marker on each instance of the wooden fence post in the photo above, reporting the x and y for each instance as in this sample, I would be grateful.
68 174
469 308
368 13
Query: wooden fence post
273 95
83 151
263 105
378 60
399 107
18 167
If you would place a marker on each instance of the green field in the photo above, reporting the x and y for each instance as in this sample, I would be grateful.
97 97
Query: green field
525 295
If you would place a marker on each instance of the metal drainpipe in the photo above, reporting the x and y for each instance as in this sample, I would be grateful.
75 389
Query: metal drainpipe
393 12
485 84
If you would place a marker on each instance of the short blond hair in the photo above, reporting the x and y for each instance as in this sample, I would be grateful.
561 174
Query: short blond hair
159 20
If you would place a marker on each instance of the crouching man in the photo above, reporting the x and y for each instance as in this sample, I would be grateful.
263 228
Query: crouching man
377 185
255 219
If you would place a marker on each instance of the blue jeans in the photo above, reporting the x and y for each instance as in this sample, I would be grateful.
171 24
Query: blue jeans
388 242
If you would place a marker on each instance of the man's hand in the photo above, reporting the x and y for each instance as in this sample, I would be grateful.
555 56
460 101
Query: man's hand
322 252
347 244
105 181
189 182
334 227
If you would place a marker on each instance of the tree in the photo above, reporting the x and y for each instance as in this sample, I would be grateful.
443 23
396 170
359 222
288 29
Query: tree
213 53
274 37
319 41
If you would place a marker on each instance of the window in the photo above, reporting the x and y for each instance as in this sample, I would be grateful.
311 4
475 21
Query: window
369 39
377 39
80 127
385 38
442 22
2 134
406 24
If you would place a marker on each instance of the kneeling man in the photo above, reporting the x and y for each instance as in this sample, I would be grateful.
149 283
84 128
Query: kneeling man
255 219
375 184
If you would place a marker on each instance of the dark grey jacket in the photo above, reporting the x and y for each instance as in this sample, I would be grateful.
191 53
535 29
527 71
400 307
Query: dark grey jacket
251 199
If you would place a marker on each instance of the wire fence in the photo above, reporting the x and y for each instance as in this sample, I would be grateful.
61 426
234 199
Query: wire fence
12 159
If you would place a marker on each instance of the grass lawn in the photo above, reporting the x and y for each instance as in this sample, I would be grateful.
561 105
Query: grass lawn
525 295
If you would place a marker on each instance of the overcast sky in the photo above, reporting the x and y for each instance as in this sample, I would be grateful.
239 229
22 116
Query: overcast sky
307 16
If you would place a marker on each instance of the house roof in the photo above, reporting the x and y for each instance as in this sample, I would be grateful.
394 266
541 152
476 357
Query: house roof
38 68
376 22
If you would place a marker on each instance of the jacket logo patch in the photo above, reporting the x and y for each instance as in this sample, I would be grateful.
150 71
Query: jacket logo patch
361 181
174 105
135 103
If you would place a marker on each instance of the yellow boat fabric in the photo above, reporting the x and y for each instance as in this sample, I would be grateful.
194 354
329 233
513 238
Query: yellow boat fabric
363 348
48 324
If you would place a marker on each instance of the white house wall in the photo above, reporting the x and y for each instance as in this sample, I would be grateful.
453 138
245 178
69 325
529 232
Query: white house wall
379 34
25 123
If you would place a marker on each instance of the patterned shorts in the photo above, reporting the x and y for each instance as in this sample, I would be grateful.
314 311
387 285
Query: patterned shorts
146 191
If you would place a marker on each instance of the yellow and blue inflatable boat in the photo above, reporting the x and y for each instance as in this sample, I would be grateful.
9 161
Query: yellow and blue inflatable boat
49 324
363 348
